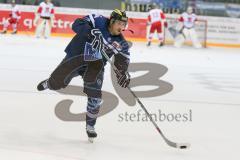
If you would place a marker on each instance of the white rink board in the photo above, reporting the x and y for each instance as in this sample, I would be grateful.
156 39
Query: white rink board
221 31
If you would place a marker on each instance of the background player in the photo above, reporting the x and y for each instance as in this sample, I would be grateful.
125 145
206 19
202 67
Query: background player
188 20
13 19
156 20
44 19
94 34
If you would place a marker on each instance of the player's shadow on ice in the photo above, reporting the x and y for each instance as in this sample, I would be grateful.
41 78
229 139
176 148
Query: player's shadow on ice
219 82
46 144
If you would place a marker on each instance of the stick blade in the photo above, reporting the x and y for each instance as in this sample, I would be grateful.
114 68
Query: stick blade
183 145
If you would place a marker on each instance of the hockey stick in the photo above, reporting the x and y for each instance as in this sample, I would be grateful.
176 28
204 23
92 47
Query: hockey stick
170 143
26 31
129 30
173 32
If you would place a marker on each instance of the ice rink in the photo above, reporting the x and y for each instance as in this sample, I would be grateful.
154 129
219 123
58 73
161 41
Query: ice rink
206 89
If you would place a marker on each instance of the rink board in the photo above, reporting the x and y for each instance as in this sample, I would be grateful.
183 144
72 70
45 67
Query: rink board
221 32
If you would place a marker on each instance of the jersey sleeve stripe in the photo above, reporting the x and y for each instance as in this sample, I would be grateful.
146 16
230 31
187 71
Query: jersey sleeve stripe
52 11
92 20
39 10
114 49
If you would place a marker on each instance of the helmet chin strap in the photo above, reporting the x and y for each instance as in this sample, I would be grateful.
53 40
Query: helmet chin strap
112 21
110 27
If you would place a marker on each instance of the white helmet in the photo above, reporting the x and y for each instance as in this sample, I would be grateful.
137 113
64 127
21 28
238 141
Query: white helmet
155 5
189 10
13 3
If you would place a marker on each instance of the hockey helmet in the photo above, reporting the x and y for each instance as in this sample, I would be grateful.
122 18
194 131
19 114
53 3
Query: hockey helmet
154 5
190 10
119 15
13 3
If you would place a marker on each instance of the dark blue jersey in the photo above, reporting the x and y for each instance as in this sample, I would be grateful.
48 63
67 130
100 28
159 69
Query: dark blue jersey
82 41
102 23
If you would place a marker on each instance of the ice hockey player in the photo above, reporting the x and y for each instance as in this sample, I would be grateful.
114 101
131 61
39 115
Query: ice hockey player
157 22
188 20
95 34
13 19
44 19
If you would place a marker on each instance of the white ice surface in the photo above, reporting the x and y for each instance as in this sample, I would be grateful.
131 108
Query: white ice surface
206 81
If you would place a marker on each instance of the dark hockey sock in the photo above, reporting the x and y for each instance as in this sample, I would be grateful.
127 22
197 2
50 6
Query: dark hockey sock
92 110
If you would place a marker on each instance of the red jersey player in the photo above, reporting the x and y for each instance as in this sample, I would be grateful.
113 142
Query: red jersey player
188 20
44 18
13 19
156 19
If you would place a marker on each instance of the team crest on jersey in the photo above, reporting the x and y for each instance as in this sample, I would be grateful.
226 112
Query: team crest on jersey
117 45
99 82
90 53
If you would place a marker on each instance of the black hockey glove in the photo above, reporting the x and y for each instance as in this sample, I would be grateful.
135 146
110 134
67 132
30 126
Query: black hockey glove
123 79
81 26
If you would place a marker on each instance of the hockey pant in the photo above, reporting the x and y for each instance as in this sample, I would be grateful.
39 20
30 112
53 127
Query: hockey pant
12 21
191 33
43 28
156 27
91 72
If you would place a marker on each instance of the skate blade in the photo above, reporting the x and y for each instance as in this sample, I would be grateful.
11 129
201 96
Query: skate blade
91 140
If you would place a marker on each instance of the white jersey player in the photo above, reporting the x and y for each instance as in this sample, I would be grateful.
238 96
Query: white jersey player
156 19
44 19
13 19
188 30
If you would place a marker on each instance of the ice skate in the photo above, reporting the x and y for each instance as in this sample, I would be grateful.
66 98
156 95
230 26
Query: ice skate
43 85
14 32
161 44
149 44
3 32
91 133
